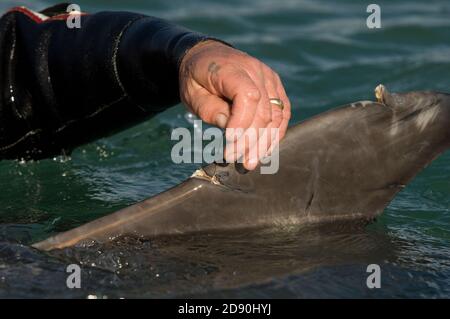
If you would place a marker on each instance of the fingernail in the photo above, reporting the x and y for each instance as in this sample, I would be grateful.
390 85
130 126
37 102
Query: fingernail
251 164
221 120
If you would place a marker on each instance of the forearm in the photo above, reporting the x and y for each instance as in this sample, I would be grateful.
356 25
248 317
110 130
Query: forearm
63 87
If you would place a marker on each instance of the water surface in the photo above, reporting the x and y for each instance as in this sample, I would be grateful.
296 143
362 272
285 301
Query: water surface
326 56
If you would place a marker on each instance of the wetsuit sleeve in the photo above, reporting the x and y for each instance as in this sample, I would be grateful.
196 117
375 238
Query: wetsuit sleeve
62 87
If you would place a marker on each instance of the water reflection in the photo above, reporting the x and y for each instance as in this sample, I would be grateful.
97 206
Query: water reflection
207 262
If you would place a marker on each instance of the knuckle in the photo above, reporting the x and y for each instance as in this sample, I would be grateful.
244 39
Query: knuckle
254 62
268 69
277 77
287 113
266 117
287 104
253 94
277 116
287 108
256 66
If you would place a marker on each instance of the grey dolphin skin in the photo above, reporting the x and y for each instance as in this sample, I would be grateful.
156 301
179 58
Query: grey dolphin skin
346 164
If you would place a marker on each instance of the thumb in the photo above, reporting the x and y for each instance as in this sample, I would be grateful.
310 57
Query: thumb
213 110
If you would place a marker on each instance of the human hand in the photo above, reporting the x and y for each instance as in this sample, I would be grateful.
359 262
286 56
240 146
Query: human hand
230 89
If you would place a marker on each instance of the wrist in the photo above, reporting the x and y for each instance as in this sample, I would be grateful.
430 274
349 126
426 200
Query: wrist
201 48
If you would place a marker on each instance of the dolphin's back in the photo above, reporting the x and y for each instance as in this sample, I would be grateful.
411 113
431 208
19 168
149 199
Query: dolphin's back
345 164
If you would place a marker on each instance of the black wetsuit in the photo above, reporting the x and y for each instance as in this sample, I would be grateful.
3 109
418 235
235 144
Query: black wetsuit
62 87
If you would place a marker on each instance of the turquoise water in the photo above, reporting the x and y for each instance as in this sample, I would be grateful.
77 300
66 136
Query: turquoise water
326 56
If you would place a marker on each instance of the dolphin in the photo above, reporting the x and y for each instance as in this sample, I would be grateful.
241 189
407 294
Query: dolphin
344 165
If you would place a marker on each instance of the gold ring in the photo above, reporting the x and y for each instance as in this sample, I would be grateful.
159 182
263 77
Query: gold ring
277 102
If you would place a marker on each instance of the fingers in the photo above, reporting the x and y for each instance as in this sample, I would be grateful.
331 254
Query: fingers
238 87
210 108
248 127
265 135
286 110
230 89
273 93
252 113
280 116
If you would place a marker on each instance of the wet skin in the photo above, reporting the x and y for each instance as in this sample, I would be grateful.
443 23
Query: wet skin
344 165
